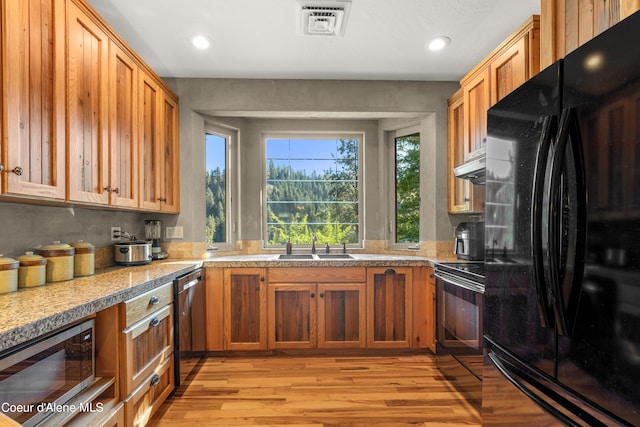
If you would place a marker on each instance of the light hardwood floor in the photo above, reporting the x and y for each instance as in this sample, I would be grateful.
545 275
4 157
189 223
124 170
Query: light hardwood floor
317 391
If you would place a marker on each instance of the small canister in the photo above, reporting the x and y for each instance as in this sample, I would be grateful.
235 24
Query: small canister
32 271
59 261
8 274
83 259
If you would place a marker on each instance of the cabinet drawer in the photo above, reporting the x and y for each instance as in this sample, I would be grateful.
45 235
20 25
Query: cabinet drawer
145 304
140 406
147 344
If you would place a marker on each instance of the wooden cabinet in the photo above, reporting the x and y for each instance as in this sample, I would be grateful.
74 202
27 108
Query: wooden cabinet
245 309
159 162
389 312
476 102
71 125
123 119
292 315
146 363
32 149
463 196
568 24
317 307
87 148
512 63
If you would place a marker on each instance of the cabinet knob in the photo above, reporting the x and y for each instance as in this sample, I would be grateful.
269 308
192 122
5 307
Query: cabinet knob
262 279
322 295
154 300
154 322
17 170
390 271
116 190
107 189
155 379
313 295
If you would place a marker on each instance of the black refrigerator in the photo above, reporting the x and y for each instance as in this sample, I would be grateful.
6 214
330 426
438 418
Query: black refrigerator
562 242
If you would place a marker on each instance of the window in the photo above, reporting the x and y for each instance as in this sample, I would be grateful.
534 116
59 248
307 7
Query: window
407 188
312 188
216 188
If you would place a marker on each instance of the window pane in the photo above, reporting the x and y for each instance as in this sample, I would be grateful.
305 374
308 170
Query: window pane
312 188
216 188
408 189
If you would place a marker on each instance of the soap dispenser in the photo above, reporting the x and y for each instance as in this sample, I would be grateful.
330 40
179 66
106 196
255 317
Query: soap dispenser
289 247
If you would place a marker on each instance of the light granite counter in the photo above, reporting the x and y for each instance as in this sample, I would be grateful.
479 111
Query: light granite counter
30 313
357 260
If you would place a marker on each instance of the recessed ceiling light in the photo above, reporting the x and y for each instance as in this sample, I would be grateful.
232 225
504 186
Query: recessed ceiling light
439 43
201 42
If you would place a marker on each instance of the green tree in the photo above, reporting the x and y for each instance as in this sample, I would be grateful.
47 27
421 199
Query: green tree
408 189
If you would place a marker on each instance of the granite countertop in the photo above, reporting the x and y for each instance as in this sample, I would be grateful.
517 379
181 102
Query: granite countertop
32 312
357 260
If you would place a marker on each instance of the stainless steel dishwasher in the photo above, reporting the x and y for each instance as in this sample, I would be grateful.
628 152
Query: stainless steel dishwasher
189 323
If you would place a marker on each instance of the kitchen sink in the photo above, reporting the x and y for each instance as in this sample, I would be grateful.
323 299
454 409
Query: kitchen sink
314 256
334 256
295 256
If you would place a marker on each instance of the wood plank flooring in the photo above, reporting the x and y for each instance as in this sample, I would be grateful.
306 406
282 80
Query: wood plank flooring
372 391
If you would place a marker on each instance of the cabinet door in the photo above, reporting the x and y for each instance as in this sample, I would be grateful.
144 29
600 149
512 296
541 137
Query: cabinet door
460 191
123 138
245 314
34 70
342 315
292 315
88 50
476 104
509 70
148 122
169 156
388 307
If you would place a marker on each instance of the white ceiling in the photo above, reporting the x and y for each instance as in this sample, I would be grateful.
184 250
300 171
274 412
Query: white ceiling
384 39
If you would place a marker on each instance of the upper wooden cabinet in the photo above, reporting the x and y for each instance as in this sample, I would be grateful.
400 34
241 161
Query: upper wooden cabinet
159 157
71 122
516 60
32 151
88 150
123 120
568 24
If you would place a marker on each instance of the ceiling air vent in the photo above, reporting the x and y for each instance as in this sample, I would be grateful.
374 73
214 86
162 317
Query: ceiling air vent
323 18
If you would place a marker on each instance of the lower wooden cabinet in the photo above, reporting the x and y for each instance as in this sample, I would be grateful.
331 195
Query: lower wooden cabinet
336 307
310 315
150 394
245 309
146 358
389 314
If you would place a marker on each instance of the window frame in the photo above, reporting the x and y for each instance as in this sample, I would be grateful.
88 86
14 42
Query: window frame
360 136
391 136
231 136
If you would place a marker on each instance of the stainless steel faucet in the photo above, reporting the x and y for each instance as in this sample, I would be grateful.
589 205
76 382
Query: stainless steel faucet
314 239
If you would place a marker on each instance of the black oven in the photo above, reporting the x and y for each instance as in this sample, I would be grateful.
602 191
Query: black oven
459 295
35 379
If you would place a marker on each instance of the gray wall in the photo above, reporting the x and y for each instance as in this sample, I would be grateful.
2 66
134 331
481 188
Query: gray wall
251 106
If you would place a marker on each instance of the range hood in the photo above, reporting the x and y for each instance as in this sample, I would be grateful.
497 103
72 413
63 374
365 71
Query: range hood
473 170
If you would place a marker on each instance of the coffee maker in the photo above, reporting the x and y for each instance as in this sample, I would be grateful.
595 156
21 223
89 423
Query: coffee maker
469 241
153 233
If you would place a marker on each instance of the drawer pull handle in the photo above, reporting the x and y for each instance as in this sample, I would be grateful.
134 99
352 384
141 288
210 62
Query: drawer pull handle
154 300
155 380
154 322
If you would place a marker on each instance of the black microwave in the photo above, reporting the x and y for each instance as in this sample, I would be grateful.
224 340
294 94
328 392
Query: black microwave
39 377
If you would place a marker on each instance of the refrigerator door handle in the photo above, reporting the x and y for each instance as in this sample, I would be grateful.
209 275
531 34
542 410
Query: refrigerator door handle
549 129
567 221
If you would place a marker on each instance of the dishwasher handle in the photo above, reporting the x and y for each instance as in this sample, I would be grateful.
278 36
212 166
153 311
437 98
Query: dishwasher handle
191 283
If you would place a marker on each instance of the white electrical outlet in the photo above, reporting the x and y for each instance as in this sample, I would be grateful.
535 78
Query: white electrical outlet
115 234
176 232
